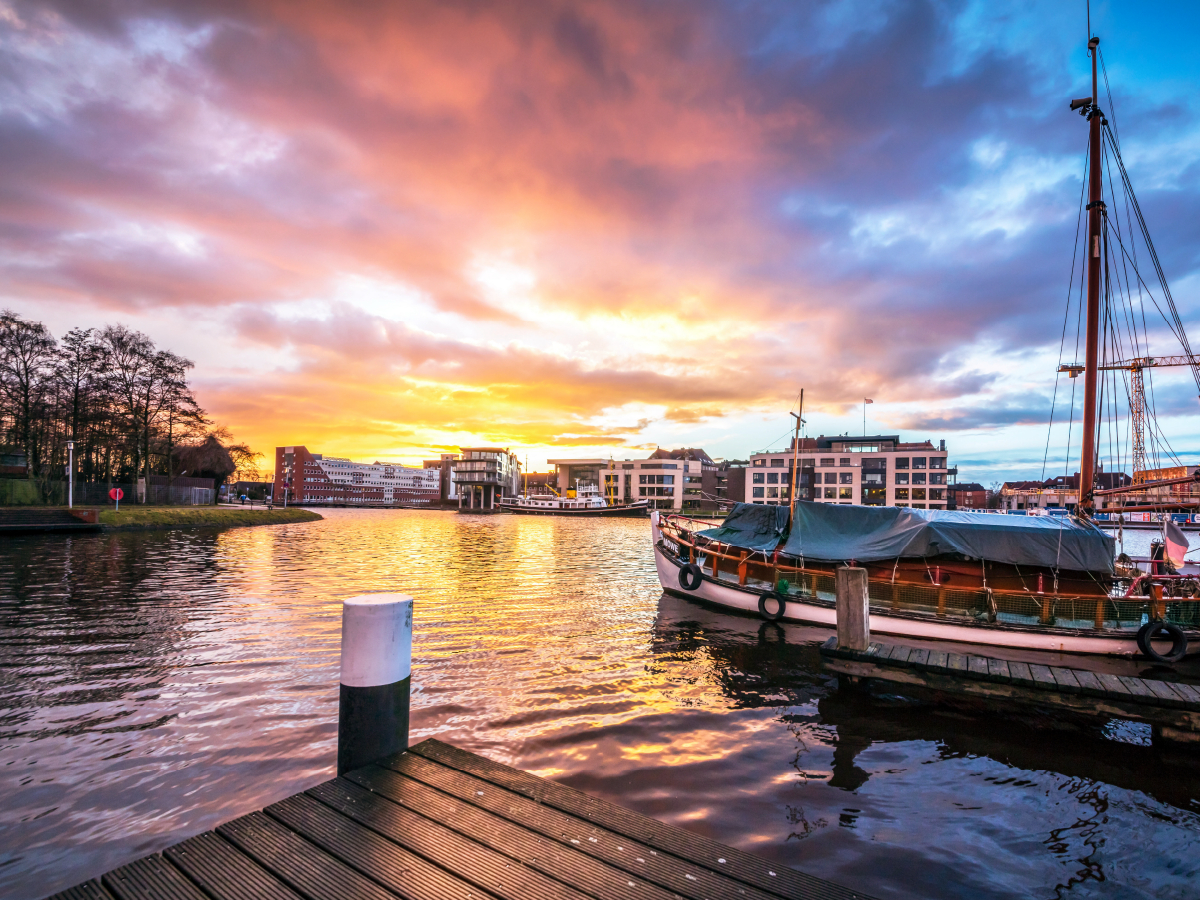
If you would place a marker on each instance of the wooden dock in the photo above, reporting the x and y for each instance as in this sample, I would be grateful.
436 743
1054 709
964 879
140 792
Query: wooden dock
1170 708
437 822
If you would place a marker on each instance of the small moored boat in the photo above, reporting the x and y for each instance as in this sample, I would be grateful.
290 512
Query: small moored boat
585 500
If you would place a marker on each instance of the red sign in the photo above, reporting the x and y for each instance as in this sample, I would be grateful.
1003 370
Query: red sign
116 494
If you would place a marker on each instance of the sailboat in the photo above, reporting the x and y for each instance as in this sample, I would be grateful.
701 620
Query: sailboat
1047 583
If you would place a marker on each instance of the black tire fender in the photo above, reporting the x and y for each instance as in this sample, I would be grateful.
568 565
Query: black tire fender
690 577
1148 632
767 601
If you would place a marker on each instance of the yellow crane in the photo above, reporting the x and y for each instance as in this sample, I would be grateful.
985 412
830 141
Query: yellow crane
1137 397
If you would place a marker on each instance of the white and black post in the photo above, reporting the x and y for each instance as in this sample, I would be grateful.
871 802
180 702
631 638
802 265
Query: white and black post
376 677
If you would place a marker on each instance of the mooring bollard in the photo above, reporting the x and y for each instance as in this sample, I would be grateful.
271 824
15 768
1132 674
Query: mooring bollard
853 609
376 677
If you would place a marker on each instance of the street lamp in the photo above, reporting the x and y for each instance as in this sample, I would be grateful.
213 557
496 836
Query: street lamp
70 474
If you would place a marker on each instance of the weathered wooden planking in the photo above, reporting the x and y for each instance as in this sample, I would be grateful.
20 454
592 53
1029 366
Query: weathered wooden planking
681 843
89 890
437 822
516 872
224 872
152 878
300 864
382 860
634 858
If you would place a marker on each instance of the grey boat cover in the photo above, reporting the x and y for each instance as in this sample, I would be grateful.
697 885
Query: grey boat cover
828 532
751 526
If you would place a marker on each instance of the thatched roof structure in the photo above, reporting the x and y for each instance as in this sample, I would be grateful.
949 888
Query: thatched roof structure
208 459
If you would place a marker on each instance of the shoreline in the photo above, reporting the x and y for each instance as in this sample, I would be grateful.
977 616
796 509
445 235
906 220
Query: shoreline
162 518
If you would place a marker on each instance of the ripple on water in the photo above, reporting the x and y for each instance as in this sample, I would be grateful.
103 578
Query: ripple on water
155 684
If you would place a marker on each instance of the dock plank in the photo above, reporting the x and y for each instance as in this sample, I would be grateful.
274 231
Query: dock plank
956 663
899 655
150 878
89 890
1163 692
998 670
224 872
1112 685
1088 682
1138 688
634 858
685 844
977 666
306 868
1043 677
1187 692
556 856
515 871
1018 673
937 660
918 658
874 648
386 861
1065 679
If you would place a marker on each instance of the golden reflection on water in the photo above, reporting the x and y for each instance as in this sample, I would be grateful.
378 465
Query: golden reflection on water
155 684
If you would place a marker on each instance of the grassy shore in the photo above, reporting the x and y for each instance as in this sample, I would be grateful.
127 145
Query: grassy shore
134 518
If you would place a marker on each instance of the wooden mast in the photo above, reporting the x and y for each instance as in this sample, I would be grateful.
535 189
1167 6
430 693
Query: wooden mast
795 485
1095 209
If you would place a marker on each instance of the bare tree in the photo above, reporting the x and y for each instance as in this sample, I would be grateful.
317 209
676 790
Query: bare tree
26 360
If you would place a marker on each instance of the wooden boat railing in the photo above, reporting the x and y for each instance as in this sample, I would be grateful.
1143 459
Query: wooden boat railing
1165 590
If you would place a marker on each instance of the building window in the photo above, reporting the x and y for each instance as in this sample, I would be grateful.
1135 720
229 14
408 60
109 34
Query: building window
918 478
901 493
656 479
830 477
758 492
937 478
901 462
937 462
901 478
918 462
805 462
937 494
918 494
773 493
844 461
758 477
845 493
777 464
785 477
772 478
760 462
830 493
827 461
845 477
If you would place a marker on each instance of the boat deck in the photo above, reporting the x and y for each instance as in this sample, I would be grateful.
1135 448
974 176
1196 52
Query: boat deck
437 822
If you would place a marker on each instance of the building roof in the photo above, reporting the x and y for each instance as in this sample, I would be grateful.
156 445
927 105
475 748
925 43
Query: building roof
966 486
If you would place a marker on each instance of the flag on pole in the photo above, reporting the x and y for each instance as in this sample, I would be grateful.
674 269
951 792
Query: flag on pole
868 401
1175 543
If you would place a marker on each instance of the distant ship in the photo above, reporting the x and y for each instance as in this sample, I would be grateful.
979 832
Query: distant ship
585 500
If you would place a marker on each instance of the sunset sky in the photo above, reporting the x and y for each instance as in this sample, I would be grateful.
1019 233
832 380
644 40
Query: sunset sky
387 229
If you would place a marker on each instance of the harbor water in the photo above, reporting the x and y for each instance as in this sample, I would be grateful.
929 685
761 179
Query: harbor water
155 684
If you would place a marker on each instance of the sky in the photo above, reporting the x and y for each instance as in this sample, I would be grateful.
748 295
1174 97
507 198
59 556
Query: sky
387 230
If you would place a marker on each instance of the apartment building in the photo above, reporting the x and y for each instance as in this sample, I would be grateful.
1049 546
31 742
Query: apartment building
483 476
448 491
969 495
667 479
874 470
1062 492
313 478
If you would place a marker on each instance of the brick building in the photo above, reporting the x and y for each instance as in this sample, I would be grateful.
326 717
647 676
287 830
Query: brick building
312 478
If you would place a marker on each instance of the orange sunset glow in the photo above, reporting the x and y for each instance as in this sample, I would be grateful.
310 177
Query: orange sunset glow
388 230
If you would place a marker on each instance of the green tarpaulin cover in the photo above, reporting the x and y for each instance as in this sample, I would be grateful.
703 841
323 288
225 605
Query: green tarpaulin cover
833 533
751 526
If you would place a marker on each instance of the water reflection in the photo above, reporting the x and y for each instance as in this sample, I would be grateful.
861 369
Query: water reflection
154 684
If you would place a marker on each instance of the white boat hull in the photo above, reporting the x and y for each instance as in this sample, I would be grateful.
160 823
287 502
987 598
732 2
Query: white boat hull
926 628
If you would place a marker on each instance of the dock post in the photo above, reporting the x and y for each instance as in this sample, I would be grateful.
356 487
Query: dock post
853 609
375 680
